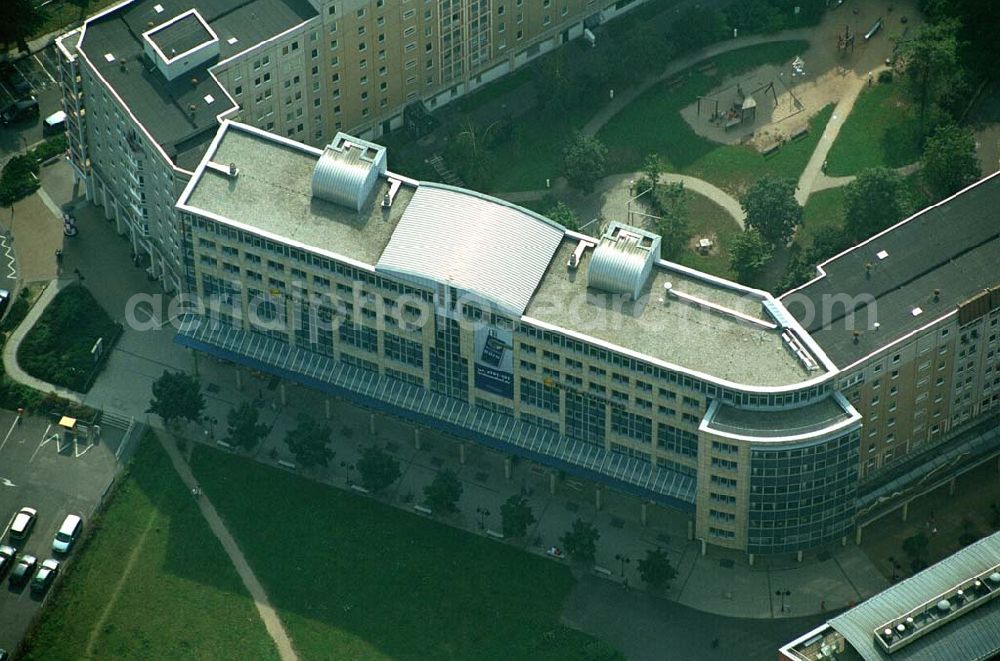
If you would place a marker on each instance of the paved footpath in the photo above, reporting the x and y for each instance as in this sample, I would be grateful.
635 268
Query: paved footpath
267 613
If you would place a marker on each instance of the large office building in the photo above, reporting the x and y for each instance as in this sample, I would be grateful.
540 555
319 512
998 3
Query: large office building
146 82
591 354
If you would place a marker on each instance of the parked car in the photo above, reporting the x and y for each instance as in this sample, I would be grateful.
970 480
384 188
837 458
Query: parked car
13 79
22 523
70 529
7 554
20 111
55 123
45 575
4 301
23 569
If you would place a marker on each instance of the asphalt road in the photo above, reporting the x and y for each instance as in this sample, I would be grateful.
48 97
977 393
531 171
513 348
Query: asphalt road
55 478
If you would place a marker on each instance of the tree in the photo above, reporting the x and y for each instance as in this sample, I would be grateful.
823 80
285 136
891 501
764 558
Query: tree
562 214
915 546
931 60
749 253
875 200
308 443
770 206
950 161
580 542
697 27
557 92
471 152
584 162
516 516
444 491
656 570
378 469
669 202
177 396
652 168
243 428
19 19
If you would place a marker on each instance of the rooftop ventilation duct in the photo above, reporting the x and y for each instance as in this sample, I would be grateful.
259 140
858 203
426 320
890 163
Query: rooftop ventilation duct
347 171
623 260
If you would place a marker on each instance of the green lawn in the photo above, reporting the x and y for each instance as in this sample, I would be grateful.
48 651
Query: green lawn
353 578
653 123
181 599
880 131
58 347
706 218
824 208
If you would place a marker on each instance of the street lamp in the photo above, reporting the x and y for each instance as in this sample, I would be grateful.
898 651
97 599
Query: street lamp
623 560
483 514
783 594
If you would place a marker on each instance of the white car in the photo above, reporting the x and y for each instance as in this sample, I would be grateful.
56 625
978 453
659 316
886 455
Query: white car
22 523
70 529
55 122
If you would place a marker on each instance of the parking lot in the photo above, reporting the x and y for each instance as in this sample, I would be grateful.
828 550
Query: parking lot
40 73
40 469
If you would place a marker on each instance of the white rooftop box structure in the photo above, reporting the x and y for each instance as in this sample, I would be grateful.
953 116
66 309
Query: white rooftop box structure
623 260
181 44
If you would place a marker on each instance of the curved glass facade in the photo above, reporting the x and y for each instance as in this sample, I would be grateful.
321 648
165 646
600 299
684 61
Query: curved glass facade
802 495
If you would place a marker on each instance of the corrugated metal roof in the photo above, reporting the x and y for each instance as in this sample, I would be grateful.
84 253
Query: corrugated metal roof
622 260
346 172
472 242
975 635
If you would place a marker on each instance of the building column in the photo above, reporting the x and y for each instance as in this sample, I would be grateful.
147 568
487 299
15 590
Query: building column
461 453
690 530
906 510
239 378
704 546
798 556
416 438
508 467
552 483
951 486
843 540
328 408
643 513
750 558
597 498
371 424
857 535
283 393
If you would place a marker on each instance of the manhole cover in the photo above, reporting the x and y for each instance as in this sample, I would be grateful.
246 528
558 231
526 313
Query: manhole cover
437 462
726 562
572 507
617 523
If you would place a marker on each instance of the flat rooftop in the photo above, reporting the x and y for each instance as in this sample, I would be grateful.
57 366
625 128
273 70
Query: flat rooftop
814 417
176 113
952 248
182 35
676 330
273 194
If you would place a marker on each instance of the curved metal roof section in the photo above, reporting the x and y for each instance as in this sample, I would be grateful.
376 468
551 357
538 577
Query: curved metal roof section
473 242
617 268
346 171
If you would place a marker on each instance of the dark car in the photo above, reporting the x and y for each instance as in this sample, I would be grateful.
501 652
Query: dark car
7 554
20 111
46 574
23 570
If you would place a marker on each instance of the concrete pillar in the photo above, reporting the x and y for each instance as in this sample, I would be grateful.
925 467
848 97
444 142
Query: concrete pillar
239 378
508 467
951 487
998 463
416 438
371 424
643 513
597 498
798 556
750 557
328 408
552 483
704 546
857 535
843 540
283 393
690 530
461 453
906 510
